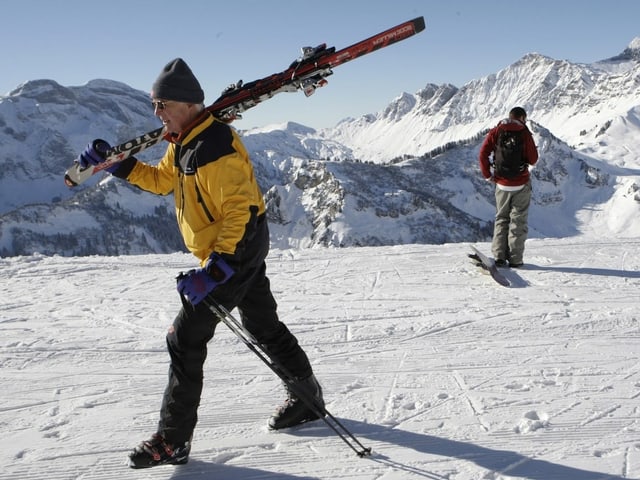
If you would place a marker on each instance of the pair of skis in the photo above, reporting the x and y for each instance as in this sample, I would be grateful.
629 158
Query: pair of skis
307 73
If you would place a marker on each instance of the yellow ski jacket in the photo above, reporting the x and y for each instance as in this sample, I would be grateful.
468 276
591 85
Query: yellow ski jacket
218 201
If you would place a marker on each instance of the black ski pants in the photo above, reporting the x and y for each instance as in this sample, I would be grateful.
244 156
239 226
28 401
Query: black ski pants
194 327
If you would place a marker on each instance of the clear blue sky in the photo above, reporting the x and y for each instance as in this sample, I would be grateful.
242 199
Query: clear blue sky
74 41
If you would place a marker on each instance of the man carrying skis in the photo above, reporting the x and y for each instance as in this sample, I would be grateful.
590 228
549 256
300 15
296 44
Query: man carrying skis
514 150
221 215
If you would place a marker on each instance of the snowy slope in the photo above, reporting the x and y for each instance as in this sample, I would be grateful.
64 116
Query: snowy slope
442 372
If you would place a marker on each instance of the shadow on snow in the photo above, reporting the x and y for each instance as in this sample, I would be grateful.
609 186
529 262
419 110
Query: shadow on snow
506 462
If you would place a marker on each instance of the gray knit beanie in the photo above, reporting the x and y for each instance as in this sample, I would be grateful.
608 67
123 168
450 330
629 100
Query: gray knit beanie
178 83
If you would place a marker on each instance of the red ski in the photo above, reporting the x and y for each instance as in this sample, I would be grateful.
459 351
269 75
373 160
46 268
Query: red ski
307 73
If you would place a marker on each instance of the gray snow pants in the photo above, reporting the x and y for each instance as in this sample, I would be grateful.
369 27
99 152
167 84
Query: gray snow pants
511 225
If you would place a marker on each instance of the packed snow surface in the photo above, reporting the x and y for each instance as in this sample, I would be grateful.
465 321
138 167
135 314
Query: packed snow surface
442 372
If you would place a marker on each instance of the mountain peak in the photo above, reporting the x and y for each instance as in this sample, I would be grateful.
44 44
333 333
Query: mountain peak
44 91
399 107
632 52
290 127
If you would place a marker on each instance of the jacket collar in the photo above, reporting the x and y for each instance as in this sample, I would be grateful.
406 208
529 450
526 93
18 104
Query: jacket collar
201 122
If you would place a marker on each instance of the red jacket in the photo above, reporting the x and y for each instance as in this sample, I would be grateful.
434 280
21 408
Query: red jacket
489 145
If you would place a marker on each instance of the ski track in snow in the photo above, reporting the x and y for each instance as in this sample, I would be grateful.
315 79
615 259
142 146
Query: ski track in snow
442 372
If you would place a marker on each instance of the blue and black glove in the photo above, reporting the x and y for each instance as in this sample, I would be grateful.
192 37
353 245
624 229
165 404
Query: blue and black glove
94 154
196 284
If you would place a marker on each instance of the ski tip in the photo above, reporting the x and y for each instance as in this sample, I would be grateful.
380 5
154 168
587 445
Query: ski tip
418 24
68 182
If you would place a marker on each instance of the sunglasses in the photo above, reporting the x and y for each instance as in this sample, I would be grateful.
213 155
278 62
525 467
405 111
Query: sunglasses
160 105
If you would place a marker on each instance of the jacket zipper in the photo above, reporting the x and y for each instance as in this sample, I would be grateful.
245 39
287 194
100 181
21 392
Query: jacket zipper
195 183
201 202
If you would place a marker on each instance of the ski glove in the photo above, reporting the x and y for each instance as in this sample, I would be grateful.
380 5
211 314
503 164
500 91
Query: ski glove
94 154
196 284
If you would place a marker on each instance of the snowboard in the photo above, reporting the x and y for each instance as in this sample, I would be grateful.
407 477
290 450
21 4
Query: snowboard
488 264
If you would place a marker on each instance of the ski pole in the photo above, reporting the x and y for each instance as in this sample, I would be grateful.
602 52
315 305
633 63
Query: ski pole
249 340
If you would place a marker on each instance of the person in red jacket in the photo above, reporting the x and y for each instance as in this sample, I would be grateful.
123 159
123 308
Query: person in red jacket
513 192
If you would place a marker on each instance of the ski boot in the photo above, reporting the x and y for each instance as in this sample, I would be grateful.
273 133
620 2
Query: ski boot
295 411
156 451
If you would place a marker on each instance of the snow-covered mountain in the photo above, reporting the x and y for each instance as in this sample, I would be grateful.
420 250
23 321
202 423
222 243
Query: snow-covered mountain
407 174
576 102
43 125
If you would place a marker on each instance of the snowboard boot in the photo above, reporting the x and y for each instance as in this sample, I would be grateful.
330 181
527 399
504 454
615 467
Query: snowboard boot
295 411
156 451
515 263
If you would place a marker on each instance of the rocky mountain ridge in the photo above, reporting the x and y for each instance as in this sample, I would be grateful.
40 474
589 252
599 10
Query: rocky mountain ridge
407 174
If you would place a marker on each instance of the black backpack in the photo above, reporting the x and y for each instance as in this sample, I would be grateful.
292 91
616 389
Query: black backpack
508 157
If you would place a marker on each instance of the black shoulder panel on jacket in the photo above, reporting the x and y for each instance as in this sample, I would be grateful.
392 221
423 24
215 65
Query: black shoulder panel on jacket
213 143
